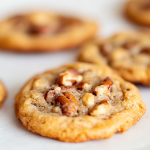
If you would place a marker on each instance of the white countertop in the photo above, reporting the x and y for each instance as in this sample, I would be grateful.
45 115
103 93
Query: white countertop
16 69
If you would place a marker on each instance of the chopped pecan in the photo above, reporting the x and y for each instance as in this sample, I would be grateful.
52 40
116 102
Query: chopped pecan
103 87
101 108
83 85
36 30
68 103
88 99
107 82
49 94
69 78
18 19
69 21
145 50
129 44
105 49
66 88
146 6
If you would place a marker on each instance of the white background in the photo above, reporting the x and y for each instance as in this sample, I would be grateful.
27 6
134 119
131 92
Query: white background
16 69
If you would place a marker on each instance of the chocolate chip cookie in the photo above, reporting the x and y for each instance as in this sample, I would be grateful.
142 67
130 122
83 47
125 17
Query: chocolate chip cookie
2 93
39 32
127 53
138 11
79 102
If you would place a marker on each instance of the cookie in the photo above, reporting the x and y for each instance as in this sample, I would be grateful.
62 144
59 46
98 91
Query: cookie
79 102
138 11
44 32
2 93
127 53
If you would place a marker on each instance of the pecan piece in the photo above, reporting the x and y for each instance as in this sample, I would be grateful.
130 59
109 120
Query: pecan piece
104 87
67 102
36 30
129 44
105 49
84 85
101 108
145 51
69 78
88 99
146 6
49 94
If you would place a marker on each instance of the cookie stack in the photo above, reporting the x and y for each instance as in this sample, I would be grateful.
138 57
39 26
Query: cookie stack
80 101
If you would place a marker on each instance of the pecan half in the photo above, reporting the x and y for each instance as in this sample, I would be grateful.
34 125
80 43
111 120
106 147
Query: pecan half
68 103
69 78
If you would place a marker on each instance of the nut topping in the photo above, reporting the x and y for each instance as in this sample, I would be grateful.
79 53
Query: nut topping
88 100
67 103
84 85
129 44
101 108
104 87
105 49
146 6
145 51
69 78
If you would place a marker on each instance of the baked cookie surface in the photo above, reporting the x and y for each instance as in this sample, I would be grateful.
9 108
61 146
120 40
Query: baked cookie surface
78 102
138 11
39 32
2 93
127 53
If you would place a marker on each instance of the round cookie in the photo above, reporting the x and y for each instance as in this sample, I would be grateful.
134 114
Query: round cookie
2 93
127 53
138 11
44 32
79 102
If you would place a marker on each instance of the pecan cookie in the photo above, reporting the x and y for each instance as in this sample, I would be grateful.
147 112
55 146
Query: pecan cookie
138 11
79 102
39 32
127 53
2 93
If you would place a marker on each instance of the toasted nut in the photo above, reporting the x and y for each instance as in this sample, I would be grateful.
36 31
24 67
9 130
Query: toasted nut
84 85
129 44
105 49
71 98
88 100
57 110
100 109
66 106
57 89
69 77
104 87
39 83
66 88
49 94
146 51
